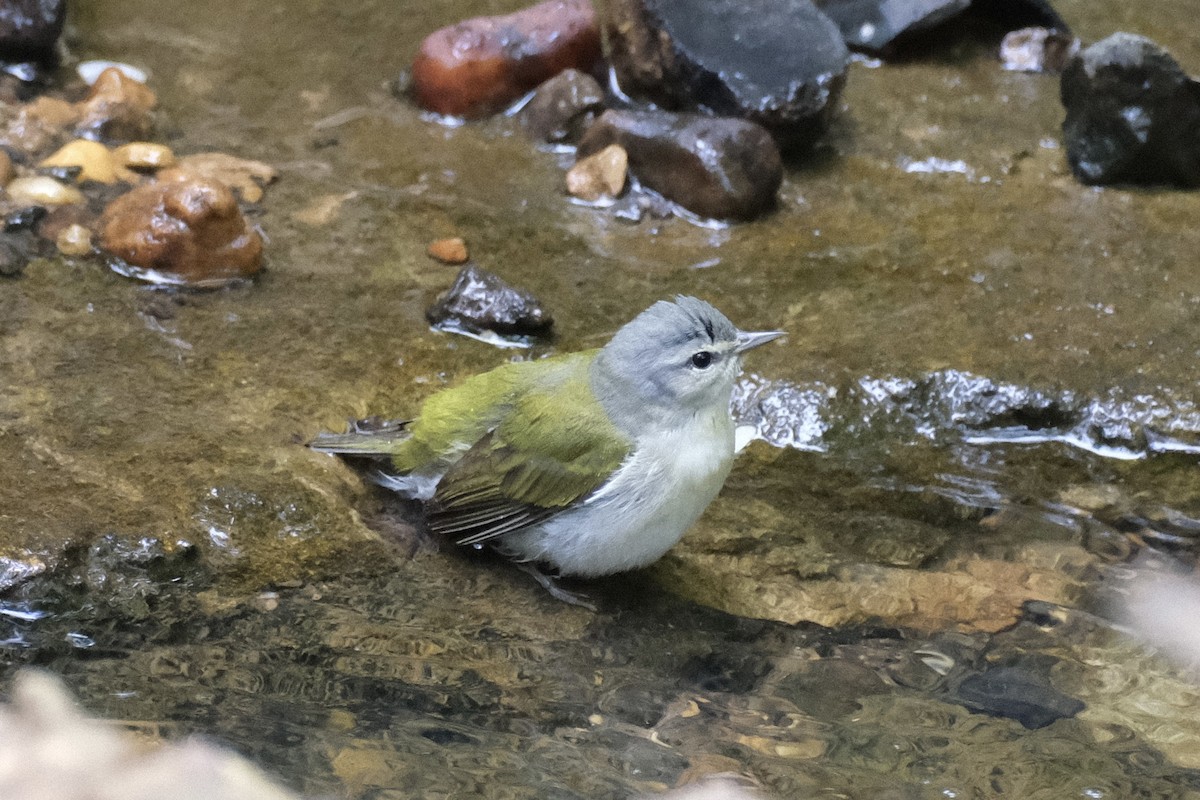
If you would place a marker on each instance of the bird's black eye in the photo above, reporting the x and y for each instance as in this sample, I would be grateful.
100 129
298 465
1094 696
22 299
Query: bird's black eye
702 359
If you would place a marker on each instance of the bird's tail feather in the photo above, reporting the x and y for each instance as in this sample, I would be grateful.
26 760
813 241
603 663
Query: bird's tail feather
368 437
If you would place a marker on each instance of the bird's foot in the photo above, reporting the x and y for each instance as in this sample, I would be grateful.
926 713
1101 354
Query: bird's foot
550 584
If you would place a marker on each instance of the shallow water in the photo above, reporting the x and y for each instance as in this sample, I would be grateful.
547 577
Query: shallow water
989 382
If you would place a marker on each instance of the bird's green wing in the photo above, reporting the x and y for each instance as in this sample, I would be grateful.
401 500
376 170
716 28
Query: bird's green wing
554 449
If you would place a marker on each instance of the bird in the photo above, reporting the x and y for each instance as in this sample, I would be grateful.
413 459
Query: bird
588 463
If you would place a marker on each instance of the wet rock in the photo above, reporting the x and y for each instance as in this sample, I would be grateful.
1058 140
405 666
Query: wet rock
448 251
243 175
563 107
1018 694
1132 115
94 160
29 28
15 251
600 175
38 126
786 75
90 71
1037 50
481 65
74 240
6 168
718 168
187 230
144 156
874 26
118 108
479 302
39 190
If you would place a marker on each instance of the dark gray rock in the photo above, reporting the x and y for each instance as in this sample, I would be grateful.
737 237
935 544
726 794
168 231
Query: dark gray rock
880 27
480 301
715 167
563 107
873 26
29 28
1132 115
1017 694
15 251
780 63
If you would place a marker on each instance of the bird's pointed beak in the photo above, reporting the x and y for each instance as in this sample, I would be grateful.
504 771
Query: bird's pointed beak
748 340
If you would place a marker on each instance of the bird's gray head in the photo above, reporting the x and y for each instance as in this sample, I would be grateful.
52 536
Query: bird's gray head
680 356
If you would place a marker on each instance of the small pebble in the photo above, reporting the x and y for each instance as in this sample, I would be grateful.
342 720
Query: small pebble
94 160
39 190
599 175
448 251
146 156
6 168
74 240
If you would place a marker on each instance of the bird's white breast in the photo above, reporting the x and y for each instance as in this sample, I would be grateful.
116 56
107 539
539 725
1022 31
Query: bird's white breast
651 500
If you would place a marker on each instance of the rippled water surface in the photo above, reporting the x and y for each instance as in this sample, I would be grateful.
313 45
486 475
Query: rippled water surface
982 424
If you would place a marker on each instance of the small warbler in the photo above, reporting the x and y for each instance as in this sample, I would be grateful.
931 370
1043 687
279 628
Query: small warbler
589 463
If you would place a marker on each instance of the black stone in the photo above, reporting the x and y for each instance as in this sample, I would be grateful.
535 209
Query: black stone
480 301
29 28
1014 693
780 63
715 167
563 107
873 26
880 27
1132 115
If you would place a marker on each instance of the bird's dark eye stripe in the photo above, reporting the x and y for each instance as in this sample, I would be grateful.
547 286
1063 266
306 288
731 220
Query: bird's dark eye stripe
702 359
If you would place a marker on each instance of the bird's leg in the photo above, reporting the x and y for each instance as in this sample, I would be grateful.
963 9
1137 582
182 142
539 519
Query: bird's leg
550 584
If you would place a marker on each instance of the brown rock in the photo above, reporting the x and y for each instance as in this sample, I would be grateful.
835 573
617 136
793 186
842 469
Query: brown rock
38 126
95 161
147 156
74 240
448 251
187 230
117 108
479 66
563 107
245 176
602 174
715 167
6 168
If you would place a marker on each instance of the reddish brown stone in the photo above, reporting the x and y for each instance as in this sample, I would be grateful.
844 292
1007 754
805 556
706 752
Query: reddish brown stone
117 108
480 65
187 230
448 251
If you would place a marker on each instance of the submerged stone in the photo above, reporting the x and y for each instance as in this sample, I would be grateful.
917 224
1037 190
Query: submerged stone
1132 114
714 167
479 66
1017 694
780 63
480 302
563 107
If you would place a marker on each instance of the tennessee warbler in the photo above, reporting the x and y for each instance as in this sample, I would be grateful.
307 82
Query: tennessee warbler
590 463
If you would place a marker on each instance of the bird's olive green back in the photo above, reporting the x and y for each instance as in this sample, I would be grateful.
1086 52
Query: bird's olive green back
547 445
